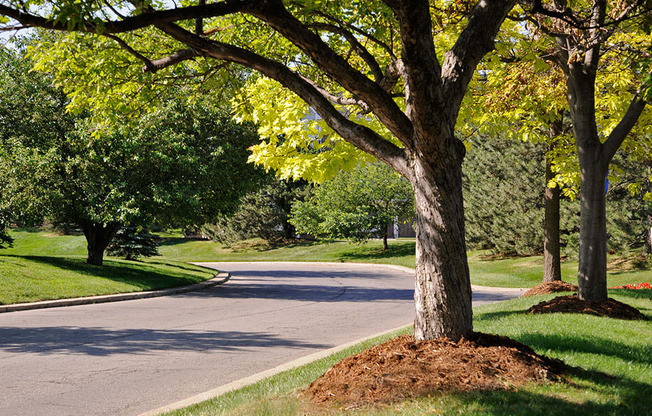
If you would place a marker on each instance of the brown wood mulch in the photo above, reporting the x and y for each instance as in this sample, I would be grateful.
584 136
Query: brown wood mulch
573 304
401 368
550 287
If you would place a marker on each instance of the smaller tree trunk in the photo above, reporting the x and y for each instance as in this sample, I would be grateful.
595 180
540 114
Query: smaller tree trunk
98 238
592 271
385 246
551 251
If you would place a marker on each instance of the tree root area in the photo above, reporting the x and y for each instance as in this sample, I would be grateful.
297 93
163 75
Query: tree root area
401 368
573 304
550 287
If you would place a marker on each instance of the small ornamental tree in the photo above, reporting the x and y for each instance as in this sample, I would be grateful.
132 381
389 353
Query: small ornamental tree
356 205
132 243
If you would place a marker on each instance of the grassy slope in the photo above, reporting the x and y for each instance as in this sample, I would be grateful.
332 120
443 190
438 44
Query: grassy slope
40 267
621 349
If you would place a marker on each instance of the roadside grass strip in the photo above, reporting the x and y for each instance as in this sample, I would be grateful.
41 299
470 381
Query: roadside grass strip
37 278
612 375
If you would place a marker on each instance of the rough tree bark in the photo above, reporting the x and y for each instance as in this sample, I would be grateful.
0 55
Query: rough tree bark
98 238
443 290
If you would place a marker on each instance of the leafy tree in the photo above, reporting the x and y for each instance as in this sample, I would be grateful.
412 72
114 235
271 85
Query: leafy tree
578 35
261 214
371 70
357 205
132 242
183 164
596 54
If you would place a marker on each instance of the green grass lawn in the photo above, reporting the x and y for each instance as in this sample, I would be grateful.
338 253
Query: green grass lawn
42 267
614 358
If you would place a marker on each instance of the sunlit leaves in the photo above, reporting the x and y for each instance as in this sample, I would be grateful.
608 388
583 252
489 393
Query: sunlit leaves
296 143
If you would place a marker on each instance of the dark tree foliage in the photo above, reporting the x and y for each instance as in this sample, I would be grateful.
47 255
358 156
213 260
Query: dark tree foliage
629 217
133 242
261 214
503 195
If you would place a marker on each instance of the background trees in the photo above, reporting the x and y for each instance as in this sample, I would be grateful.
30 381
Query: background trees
183 164
264 213
505 204
356 205
580 50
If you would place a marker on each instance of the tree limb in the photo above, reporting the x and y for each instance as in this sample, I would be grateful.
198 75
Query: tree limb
475 41
360 136
131 23
124 45
335 99
273 13
421 69
172 59
620 132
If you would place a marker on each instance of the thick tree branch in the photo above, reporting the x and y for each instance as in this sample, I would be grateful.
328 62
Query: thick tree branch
380 101
474 43
199 22
132 23
620 132
358 135
336 99
421 67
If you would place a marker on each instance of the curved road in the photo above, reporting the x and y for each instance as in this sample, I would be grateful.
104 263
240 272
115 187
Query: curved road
129 357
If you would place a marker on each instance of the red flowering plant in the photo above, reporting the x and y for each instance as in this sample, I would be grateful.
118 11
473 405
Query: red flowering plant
644 285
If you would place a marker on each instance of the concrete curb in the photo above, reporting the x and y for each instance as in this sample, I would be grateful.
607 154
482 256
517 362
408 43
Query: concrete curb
219 279
247 381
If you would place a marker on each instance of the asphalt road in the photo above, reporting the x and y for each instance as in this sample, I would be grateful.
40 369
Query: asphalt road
129 357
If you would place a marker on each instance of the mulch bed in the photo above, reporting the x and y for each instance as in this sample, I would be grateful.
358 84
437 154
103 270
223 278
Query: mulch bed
550 287
401 368
573 304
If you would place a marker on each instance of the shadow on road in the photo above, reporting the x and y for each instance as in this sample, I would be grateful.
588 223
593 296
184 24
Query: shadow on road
105 342
305 293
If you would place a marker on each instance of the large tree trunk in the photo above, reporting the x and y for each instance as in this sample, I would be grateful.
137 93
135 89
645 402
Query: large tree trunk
98 238
592 272
443 289
551 252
